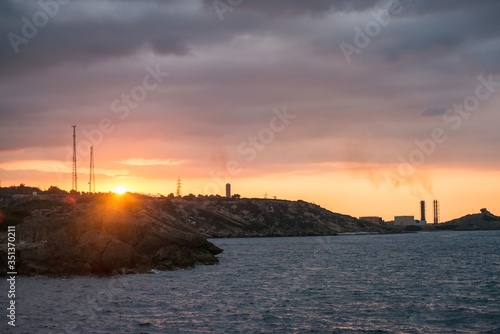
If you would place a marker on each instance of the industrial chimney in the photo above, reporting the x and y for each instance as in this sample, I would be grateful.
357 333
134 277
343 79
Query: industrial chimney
228 190
422 211
436 211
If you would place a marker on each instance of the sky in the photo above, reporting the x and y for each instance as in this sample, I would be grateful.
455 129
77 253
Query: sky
362 107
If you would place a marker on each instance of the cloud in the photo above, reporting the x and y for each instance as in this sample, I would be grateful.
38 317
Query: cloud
298 7
433 111
150 162
227 76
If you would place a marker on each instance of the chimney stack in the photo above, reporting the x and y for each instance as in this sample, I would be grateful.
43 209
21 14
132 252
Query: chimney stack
422 211
436 211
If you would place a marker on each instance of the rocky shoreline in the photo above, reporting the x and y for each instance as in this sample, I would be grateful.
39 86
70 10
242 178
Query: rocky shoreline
103 235
253 217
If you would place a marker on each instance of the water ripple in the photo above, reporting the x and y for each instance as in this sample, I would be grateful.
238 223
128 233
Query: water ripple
418 283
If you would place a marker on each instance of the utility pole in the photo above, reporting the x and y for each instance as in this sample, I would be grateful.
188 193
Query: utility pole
92 173
74 185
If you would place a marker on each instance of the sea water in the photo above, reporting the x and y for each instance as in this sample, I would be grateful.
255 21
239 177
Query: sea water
442 282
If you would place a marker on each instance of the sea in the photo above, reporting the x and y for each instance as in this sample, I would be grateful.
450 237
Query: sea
440 282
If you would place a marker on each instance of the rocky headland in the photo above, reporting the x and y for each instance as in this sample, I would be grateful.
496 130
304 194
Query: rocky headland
67 234
252 217
81 234
484 220
99 234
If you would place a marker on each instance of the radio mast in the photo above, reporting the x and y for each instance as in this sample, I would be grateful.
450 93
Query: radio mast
74 185
92 173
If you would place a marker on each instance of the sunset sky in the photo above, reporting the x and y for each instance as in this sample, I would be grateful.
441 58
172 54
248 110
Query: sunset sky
362 107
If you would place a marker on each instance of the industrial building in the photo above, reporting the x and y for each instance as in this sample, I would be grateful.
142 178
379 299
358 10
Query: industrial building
372 219
407 220
404 220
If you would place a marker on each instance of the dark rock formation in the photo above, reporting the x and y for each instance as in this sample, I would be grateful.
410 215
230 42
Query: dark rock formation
480 221
105 234
222 217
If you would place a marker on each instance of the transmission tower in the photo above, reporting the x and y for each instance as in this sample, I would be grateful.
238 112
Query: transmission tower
92 173
178 192
74 185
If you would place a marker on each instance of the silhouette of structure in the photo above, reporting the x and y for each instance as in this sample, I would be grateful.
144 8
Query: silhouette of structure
178 192
436 211
74 185
422 211
228 190
92 173
404 220
372 219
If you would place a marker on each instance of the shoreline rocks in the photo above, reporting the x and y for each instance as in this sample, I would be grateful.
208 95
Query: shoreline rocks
105 235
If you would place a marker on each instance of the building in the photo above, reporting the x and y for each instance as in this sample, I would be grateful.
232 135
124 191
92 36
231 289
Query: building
389 223
404 220
420 222
228 190
372 219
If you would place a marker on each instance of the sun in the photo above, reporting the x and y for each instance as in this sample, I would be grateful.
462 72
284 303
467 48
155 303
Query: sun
120 190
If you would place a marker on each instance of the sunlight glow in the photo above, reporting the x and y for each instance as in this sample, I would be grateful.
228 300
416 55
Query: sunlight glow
120 190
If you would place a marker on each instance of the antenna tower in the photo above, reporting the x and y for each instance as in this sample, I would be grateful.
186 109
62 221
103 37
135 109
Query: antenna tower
92 173
178 192
74 185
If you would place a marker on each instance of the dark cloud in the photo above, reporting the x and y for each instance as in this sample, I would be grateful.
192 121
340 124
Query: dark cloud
433 111
298 7
227 76
322 7
425 7
86 32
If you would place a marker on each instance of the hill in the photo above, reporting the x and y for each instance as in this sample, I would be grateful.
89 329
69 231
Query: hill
223 217
98 234
65 234
484 220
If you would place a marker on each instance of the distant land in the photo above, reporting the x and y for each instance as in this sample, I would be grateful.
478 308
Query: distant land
61 233
484 220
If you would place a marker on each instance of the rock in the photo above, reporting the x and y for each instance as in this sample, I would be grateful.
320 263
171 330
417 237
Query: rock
117 255
488 216
484 220
221 217
103 235
107 234
149 244
204 256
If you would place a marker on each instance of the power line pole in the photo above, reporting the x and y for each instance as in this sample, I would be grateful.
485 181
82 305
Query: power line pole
74 185
92 173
